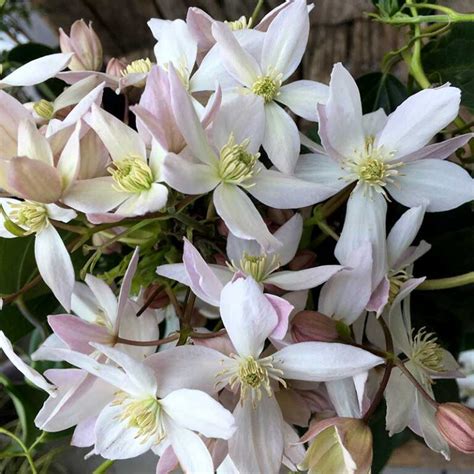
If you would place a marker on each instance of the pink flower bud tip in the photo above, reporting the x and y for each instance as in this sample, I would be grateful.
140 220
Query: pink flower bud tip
456 424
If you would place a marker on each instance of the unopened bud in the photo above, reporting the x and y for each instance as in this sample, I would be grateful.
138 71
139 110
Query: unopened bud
313 326
115 67
85 45
303 259
279 216
456 424
222 229
160 298
339 445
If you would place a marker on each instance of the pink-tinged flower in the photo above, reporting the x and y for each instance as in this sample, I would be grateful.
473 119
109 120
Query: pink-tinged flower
84 43
427 360
146 413
30 374
133 186
36 71
21 218
32 173
247 258
227 161
386 156
456 423
263 77
258 444
398 282
102 317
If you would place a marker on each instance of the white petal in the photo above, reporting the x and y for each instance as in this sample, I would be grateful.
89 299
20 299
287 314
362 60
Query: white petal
323 361
365 222
403 233
340 120
241 217
54 264
281 140
197 411
37 71
286 39
121 141
174 271
345 296
188 177
104 295
69 161
440 185
152 200
33 144
250 321
190 450
321 169
302 97
374 122
289 234
283 191
343 396
303 279
237 248
238 62
31 374
414 123
257 446
60 213
126 286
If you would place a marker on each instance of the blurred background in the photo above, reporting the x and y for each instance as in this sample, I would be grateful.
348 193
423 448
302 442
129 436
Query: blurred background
341 31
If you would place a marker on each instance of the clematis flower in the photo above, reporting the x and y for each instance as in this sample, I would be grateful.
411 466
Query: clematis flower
21 218
145 414
386 156
427 360
398 282
247 258
133 187
283 47
227 162
257 446
30 374
36 71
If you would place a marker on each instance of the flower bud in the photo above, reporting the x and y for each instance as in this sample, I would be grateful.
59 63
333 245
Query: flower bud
160 298
115 67
338 445
313 326
279 216
456 424
85 45
303 259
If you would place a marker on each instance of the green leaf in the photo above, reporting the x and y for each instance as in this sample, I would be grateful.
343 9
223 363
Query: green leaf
449 58
380 90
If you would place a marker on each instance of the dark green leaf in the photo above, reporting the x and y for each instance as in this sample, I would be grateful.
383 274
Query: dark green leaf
450 58
13 324
381 91
25 53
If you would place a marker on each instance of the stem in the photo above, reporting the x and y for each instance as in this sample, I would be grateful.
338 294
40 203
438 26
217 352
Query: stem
327 229
71 228
155 342
333 204
149 300
256 12
453 17
446 283
174 302
23 447
104 467
415 382
386 375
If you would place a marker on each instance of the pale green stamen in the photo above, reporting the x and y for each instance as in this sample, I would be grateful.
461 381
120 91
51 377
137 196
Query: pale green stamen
131 175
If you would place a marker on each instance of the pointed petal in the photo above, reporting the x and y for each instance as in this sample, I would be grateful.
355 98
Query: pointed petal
323 361
174 271
125 288
379 297
54 264
281 140
374 122
440 185
302 97
289 234
104 296
33 144
241 217
236 248
37 71
303 279
152 200
414 123
283 191
283 310
286 39
249 322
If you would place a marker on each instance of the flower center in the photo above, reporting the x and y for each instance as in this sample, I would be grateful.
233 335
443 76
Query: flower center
44 108
252 375
236 163
131 175
257 266
137 67
427 352
268 86
142 414
396 281
241 24
29 215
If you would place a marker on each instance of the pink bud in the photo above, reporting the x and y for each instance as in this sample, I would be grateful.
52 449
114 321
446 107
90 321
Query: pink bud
160 299
280 216
222 229
456 424
313 326
85 45
220 259
303 259
115 67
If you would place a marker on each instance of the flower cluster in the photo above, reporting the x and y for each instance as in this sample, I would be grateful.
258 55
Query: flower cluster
251 373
